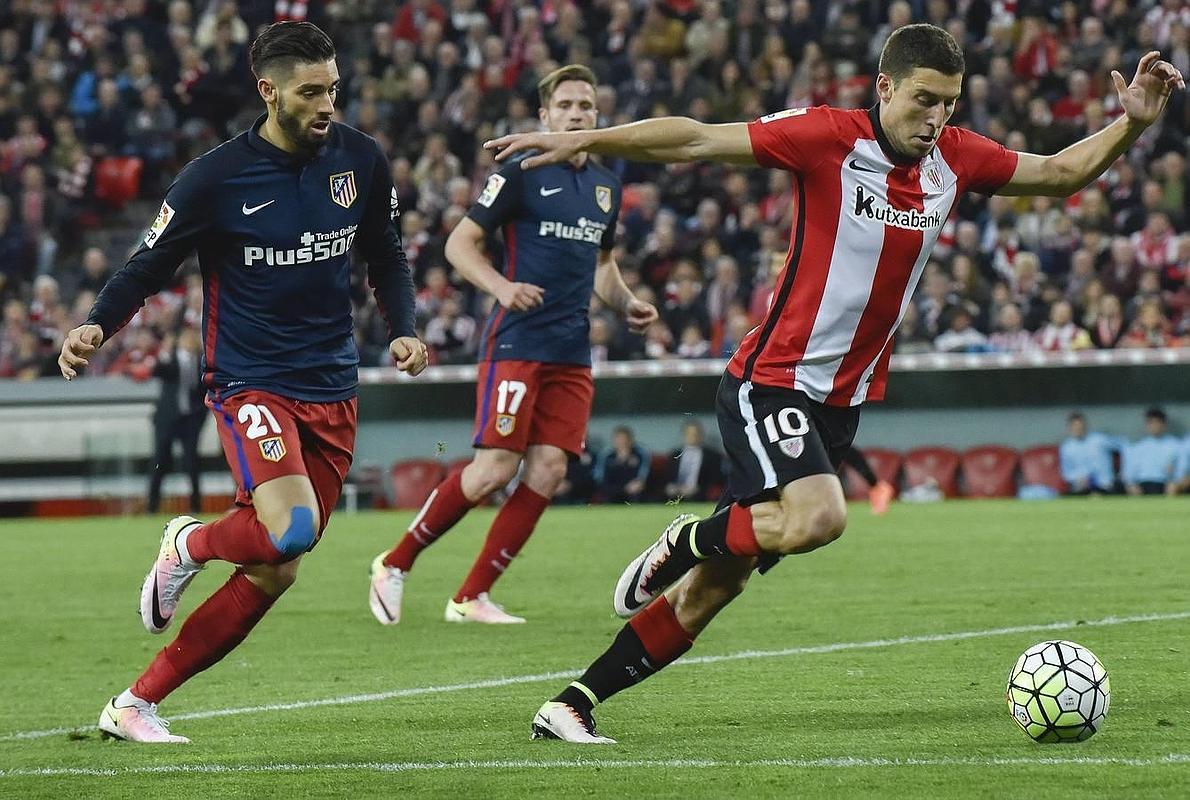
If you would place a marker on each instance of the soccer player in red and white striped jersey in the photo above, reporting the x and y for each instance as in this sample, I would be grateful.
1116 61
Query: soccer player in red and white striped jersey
872 191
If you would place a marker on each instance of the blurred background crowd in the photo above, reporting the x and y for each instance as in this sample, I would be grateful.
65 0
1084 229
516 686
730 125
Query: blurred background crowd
102 101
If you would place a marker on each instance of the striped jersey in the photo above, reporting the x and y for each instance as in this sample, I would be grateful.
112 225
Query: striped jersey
865 223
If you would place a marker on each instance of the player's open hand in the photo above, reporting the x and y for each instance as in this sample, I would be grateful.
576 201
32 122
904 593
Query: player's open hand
520 296
79 345
410 354
640 315
1146 96
553 148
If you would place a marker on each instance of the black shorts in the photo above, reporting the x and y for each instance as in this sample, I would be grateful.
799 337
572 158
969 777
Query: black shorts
774 435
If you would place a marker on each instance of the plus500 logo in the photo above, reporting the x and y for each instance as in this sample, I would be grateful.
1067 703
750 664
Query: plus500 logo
315 247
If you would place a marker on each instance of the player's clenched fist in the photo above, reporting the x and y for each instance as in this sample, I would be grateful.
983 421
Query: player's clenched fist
410 354
79 345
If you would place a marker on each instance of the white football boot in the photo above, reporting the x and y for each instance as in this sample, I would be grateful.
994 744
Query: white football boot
168 578
556 720
388 586
481 610
137 722
632 590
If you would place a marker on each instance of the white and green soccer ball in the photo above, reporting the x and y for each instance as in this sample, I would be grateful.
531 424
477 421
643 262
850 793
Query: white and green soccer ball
1059 692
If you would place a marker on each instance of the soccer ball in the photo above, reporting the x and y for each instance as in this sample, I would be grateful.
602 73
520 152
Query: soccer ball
1058 692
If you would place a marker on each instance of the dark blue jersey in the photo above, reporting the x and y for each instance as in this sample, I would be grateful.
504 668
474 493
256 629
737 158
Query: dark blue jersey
555 220
273 233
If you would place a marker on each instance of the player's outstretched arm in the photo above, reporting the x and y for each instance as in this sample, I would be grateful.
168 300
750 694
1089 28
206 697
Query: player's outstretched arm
78 345
1064 173
463 251
615 294
665 139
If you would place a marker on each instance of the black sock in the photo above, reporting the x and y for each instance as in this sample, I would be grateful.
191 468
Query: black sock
859 463
624 664
695 542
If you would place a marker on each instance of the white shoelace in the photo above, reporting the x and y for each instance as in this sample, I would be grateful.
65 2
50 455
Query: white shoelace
151 716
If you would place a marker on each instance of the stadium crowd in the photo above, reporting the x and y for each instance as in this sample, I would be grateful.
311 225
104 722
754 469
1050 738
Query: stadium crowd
92 91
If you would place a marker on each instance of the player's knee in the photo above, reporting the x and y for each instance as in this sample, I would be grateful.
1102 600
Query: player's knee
815 526
488 477
299 536
274 579
545 475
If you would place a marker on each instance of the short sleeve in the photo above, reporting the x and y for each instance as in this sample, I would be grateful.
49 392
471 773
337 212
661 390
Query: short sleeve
796 139
609 235
984 165
500 199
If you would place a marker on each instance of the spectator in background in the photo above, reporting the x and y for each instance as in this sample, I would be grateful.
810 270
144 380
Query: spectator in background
16 265
1010 336
1151 329
696 469
578 486
622 469
961 336
1150 464
451 334
1085 458
1108 326
1061 333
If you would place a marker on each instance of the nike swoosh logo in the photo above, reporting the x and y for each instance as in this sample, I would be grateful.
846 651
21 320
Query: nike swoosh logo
250 210
158 620
548 192
858 167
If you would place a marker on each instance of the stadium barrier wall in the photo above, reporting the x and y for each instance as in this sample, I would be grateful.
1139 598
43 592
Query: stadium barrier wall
94 437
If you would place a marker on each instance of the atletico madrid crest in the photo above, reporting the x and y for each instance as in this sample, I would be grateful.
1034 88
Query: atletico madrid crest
603 198
272 449
505 424
343 188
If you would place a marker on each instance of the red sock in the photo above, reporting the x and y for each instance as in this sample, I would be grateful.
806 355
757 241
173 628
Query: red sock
510 530
212 631
238 538
445 506
659 631
741 538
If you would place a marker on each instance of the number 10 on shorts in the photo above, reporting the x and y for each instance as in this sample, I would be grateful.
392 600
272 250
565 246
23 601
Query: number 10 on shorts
509 395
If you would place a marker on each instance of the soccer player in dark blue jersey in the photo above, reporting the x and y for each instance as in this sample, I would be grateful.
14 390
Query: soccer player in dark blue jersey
534 391
273 215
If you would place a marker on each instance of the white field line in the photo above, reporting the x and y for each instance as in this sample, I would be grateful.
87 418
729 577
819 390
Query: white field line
844 762
696 660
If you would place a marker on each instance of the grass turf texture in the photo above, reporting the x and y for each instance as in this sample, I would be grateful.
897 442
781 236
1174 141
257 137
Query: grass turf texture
71 638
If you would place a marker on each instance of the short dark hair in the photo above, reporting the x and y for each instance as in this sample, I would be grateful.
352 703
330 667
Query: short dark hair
1155 413
284 44
921 45
1076 416
570 72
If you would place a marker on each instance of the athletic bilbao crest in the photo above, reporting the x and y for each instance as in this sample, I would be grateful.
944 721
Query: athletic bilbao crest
792 447
505 423
343 188
603 198
272 449
934 177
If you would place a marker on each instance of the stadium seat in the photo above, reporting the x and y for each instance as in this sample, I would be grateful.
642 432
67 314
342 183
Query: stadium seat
989 471
885 463
117 180
413 480
660 468
938 463
1040 467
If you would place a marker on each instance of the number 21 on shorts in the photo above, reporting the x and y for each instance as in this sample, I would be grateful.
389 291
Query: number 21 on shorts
261 422
509 395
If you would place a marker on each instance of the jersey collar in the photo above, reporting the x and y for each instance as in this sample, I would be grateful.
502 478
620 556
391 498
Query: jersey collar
885 145
263 145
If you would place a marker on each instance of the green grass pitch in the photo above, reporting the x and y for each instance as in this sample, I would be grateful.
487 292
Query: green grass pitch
877 668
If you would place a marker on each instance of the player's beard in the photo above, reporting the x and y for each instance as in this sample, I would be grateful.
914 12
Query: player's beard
293 128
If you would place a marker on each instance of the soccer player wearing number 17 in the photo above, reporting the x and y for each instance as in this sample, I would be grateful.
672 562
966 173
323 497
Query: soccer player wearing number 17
873 189
273 215
533 397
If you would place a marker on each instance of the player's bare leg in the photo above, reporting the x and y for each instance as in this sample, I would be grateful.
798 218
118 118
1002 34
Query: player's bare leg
651 640
490 469
545 467
811 512
268 539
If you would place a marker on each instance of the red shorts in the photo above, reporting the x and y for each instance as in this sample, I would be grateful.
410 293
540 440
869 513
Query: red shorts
519 403
267 436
